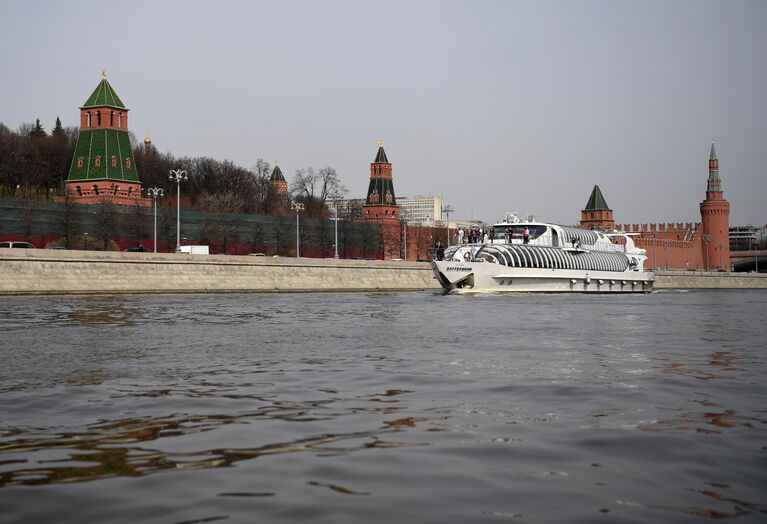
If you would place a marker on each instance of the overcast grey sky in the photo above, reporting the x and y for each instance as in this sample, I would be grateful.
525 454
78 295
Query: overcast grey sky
495 105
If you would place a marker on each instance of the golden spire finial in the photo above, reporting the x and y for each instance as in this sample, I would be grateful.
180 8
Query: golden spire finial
276 163
147 139
103 74
712 139
379 142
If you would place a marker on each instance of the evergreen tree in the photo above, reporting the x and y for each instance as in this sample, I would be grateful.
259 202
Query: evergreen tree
38 130
57 130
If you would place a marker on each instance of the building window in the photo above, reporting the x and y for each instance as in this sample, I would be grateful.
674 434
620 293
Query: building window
79 161
120 120
98 161
88 119
112 119
96 189
79 190
98 118
114 161
127 163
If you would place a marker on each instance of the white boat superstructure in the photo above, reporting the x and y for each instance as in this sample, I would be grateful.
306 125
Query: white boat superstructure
532 256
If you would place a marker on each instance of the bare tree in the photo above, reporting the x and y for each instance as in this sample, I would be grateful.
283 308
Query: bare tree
69 224
139 225
257 235
106 222
28 217
222 220
316 188
281 235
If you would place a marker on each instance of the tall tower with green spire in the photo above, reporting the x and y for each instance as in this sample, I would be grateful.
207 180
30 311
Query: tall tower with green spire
103 169
715 215
381 203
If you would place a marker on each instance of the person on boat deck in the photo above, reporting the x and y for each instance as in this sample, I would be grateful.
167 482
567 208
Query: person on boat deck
439 250
526 235
509 234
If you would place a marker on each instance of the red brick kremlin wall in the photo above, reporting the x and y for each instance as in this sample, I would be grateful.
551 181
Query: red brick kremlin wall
672 246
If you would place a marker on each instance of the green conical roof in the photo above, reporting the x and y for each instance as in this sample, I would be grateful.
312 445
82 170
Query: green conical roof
596 200
277 175
712 156
104 95
381 156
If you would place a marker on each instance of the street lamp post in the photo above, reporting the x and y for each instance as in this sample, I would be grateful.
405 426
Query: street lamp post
335 219
756 254
298 207
178 175
155 192
721 245
447 210
706 239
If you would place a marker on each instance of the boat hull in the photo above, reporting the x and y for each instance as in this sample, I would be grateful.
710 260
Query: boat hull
483 277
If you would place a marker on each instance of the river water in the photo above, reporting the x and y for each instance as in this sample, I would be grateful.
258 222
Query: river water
384 407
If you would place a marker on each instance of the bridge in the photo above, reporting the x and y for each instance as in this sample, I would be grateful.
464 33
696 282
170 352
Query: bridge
744 261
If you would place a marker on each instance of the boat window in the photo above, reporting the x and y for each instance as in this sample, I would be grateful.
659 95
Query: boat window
518 230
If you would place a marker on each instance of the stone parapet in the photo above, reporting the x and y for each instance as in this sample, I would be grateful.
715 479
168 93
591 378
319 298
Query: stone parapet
709 280
46 271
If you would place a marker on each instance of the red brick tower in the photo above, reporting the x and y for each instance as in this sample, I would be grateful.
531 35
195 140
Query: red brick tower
715 215
597 214
277 182
381 204
103 168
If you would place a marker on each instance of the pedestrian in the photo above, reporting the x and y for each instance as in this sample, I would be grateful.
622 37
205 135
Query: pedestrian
439 250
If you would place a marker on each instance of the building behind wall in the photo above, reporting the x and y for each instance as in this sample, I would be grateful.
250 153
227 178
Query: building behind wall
421 210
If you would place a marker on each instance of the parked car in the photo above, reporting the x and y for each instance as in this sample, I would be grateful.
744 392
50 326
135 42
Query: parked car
18 245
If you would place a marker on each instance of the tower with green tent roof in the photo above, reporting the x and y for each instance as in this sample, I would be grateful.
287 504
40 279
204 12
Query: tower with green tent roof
103 169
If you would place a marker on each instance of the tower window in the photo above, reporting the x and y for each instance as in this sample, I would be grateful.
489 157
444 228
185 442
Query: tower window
98 118
120 119
98 161
79 161
88 119
114 161
112 119
127 163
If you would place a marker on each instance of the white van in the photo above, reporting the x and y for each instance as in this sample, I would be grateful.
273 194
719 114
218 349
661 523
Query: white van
18 245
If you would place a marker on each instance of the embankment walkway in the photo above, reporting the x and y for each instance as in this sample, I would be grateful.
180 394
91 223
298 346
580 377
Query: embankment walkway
45 271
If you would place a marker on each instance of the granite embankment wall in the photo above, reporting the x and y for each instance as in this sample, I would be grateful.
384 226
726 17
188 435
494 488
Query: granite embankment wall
709 280
45 271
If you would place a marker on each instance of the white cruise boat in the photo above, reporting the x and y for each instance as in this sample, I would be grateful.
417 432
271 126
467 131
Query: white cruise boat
548 258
